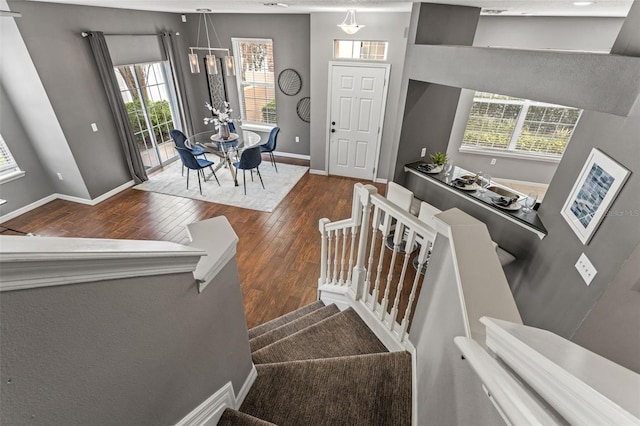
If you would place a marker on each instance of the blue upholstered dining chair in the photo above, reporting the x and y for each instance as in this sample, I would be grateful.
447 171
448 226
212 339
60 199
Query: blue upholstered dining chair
192 163
270 146
249 159
179 139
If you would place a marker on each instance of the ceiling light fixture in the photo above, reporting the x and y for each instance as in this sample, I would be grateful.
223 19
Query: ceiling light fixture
277 4
582 3
211 61
349 25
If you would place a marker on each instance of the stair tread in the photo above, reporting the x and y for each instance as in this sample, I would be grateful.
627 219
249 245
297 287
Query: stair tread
342 334
231 417
292 327
280 321
372 389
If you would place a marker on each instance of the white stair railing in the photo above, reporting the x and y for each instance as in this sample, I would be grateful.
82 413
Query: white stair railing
368 258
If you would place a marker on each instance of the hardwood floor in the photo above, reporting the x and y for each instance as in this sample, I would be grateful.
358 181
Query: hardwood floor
278 253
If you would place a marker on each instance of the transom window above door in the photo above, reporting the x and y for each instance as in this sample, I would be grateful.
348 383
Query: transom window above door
360 49
256 81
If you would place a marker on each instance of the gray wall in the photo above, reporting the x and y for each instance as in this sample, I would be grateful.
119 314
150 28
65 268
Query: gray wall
138 351
68 73
290 35
548 290
390 27
561 33
35 184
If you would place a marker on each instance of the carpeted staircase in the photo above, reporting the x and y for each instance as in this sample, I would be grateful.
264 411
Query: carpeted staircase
319 366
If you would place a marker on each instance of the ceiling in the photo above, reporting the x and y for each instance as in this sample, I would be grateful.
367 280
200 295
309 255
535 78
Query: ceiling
490 7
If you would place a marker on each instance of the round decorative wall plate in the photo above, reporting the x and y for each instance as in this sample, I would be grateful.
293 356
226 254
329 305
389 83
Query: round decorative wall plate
289 82
304 109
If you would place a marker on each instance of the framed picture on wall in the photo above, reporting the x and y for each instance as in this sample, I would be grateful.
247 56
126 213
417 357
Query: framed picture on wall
598 184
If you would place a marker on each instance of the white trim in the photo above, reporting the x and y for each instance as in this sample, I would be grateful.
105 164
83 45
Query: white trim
209 412
55 196
13 175
385 93
521 155
52 261
380 180
28 208
292 155
318 172
246 386
580 385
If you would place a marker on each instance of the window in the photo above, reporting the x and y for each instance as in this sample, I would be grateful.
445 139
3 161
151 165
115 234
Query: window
149 99
256 83
518 126
9 169
366 49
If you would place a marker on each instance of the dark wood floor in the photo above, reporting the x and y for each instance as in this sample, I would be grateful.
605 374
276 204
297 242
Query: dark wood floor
278 253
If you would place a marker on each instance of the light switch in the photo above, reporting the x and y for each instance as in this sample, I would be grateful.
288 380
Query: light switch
423 152
586 269
94 127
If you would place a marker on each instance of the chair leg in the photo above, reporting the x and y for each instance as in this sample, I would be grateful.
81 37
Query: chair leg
273 160
188 178
244 181
214 175
260 176
199 184
251 171
203 176
183 170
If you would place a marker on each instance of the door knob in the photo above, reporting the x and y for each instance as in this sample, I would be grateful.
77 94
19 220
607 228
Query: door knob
333 123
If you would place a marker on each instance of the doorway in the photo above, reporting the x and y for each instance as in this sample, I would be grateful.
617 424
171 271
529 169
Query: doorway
357 98
149 99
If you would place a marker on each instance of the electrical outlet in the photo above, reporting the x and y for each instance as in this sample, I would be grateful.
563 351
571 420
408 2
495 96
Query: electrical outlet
184 18
493 161
94 127
586 269
298 139
60 176
423 152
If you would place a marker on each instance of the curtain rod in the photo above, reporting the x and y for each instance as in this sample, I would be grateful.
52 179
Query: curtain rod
86 34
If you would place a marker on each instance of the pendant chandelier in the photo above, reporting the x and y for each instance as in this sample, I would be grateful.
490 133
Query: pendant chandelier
349 25
210 59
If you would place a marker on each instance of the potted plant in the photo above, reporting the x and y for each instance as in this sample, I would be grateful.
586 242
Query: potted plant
439 158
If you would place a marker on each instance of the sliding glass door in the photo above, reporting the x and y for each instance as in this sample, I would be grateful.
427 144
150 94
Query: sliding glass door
149 97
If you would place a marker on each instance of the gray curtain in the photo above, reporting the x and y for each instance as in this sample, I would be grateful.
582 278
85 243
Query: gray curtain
170 51
125 132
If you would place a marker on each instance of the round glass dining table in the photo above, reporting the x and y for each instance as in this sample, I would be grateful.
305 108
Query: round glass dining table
229 149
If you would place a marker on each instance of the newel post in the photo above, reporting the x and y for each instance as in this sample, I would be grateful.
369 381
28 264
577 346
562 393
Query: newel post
322 224
359 271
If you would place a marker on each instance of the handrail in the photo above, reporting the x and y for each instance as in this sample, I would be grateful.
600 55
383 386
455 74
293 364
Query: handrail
29 262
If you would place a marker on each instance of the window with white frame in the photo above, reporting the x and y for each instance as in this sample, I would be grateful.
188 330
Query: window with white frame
9 169
255 79
518 126
360 49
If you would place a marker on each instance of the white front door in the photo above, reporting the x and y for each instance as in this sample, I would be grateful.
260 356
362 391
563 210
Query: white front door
358 95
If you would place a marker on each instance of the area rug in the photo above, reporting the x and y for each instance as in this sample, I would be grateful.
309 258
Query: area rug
277 185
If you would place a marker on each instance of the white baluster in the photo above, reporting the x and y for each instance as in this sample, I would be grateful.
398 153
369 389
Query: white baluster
374 233
423 257
354 234
336 255
329 240
397 238
407 254
344 253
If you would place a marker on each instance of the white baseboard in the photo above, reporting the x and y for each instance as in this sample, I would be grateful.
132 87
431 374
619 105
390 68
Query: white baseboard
292 155
55 196
380 180
318 172
209 412
244 390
